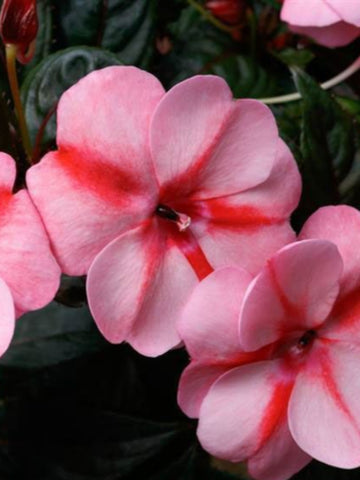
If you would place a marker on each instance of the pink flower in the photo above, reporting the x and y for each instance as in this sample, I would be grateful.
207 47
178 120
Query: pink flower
332 23
290 390
29 275
149 191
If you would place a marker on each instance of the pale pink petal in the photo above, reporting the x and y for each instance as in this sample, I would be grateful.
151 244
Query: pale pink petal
243 410
26 262
340 225
247 244
106 116
336 35
324 409
243 155
7 317
7 172
195 383
85 204
186 126
209 322
295 291
348 10
316 13
279 458
136 288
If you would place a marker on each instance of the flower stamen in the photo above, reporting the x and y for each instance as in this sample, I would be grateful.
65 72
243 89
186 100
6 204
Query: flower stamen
182 221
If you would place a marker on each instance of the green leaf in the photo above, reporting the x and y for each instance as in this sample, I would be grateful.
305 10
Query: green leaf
327 145
196 46
125 27
295 58
46 83
245 77
52 335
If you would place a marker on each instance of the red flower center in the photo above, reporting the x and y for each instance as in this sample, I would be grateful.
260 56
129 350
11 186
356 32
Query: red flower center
182 221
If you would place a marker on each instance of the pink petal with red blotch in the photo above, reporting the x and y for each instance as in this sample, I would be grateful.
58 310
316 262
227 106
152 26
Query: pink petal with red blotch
194 385
244 409
106 117
26 262
316 13
348 10
248 242
279 458
7 317
85 205
324 409
244 155
336 35
209 322
247 228
341 226
136 288
295 291
186 126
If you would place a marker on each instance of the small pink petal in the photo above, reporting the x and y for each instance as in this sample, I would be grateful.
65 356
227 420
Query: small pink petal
7 172
106 115
209 321
341 226
243 154
279 458
186 127
7 317
275 304
324 409
243 410
136 288
194 385
348 10
85 204
335 35
317 13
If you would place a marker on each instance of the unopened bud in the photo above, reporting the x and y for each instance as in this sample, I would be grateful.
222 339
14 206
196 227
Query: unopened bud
19 26
229 11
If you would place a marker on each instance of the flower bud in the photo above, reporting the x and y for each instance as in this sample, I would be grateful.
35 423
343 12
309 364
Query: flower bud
19 26
229 11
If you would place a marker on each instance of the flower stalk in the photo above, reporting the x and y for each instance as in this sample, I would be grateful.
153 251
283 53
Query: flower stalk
11 53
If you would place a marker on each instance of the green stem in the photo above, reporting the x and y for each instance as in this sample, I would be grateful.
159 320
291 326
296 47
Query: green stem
14 86
206 14
354 67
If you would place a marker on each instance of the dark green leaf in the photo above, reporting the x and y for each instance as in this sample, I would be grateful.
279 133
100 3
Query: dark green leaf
196 46
46 83
52 335
327 145
295 58
245 77
125 27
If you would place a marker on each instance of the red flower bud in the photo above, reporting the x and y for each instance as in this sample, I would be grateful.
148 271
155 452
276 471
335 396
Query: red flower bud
19 26
229 11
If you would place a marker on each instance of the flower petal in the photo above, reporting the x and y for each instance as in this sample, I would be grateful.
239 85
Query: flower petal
84 205
295 291
194 385
341 226
318 14
348 10
279 458
186 125
336 35
136 288
243 410
7 316
209 322
107 114
324 409
244 153
7 173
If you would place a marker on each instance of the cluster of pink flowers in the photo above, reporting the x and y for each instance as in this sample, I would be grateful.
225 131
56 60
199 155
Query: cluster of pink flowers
176 206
